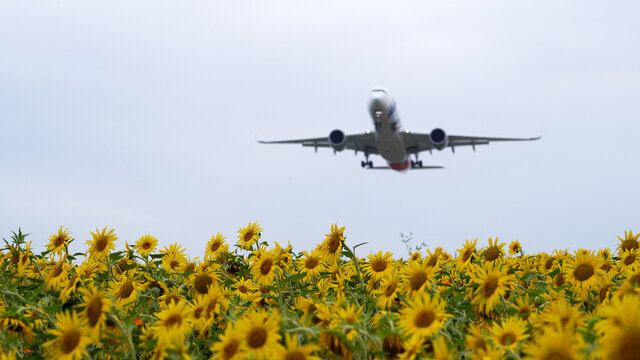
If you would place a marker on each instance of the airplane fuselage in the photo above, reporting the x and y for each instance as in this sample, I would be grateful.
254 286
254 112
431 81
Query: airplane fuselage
382 108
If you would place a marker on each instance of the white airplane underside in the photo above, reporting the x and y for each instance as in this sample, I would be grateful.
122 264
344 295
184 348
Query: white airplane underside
390 140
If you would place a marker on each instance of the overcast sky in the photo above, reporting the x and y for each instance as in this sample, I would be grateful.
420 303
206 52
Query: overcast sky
143 116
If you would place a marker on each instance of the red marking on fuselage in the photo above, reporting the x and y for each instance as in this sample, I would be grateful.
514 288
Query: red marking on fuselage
400 166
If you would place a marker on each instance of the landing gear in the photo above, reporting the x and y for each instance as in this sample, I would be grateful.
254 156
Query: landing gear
366 162
415 164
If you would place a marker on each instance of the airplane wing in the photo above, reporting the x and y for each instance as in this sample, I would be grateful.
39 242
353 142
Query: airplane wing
417 142
364 142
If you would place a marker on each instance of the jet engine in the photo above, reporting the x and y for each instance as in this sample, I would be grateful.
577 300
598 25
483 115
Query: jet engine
438 138
338 140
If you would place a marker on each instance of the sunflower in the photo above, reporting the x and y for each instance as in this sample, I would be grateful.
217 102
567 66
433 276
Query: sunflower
331 247
583 273
311 264
392 345
260 332
244 289
214 246
493 251
69 287
509 333
466 254
515 247
89 269
198 313
555 344
493 283
263 266
423 316
13 326
173 258
628 258
249 235
96 307
228 347
412 348
202 281
475 339
173 324
415 277
71 338
125 290
630 242
57 274
59 242
285 256
378 265
102 244
387 292
171 296
146 245
619 330
332 344
294 351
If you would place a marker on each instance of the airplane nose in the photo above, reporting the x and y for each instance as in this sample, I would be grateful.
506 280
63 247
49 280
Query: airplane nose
377 101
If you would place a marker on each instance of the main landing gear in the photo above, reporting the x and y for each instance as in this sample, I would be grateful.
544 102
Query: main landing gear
366 162
415 164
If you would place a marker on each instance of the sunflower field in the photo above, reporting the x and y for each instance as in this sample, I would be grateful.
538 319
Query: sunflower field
247 299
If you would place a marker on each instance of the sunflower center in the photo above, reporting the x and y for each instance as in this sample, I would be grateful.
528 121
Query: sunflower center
173 264
481 344
424 318
257 337
467 255
378 265
417 280
243 289
101 243
433 260
630 259
197 313
295 355
248 236
492 253
490 286
334 243
548 264
629 244
231 348
559 279
392 345
391 288
125 290
507 339
629 346
311 263
94 310
265 267
583 271
214 247
69 341
202 284
557 355
57 270
173 319
59 241
146 245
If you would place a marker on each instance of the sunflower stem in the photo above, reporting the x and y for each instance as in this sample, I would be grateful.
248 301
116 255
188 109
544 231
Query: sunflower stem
126 334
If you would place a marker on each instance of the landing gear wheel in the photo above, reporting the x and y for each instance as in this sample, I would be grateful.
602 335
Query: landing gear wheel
363 163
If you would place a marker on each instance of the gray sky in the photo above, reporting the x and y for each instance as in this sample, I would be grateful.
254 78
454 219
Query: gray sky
143 116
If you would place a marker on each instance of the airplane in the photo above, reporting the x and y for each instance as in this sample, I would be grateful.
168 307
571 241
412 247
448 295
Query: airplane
390 140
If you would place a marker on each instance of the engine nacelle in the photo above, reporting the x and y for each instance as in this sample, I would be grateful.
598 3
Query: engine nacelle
338 140
438 138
